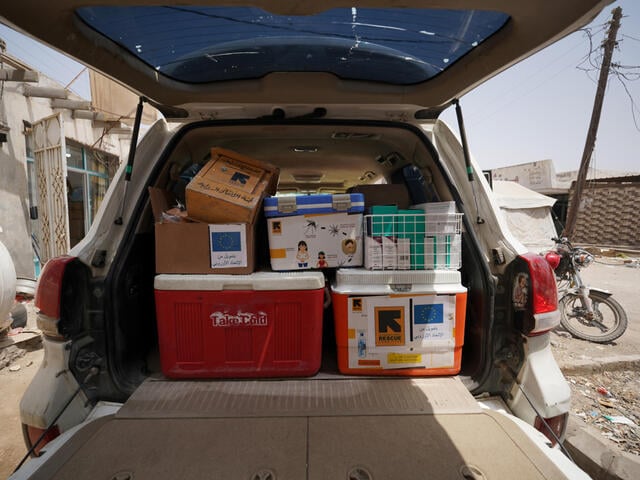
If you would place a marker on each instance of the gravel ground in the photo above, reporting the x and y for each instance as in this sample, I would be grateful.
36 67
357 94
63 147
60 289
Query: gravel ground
610 401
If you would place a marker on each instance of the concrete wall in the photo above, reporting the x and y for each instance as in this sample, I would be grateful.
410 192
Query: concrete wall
14 199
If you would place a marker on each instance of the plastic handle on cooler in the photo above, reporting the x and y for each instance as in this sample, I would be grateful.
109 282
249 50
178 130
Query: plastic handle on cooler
236 287
341 202
287 204
400 287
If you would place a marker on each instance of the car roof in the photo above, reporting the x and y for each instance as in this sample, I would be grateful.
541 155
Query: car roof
410 52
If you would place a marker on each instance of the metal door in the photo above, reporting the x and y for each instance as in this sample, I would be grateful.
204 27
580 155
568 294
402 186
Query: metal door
51 174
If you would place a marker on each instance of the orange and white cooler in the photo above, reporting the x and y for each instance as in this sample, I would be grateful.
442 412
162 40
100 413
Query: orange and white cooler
399 322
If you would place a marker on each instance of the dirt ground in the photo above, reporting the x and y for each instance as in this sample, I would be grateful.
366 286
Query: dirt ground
622 400
13 383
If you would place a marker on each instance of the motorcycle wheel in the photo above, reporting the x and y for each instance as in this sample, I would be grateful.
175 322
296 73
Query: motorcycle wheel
609 322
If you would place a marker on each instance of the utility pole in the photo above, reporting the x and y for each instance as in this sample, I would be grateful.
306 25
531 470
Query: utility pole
609 44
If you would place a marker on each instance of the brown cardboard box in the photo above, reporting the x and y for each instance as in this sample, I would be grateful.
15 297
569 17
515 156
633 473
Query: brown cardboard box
189 247
186 248
230 188
384 194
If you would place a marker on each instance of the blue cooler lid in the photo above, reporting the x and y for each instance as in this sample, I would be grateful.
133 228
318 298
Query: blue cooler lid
287 206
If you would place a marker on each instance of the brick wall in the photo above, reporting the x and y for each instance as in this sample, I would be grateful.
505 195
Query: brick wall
609 214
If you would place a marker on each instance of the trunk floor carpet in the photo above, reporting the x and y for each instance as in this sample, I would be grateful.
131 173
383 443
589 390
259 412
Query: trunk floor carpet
354 429
301 397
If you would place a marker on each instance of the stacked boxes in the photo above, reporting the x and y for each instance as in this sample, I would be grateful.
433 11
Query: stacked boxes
262 324
404 313
217 232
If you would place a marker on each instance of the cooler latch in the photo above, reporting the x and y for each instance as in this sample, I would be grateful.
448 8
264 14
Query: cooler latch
287 204
341 202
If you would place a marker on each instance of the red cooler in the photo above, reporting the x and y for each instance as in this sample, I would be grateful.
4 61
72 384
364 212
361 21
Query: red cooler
266 324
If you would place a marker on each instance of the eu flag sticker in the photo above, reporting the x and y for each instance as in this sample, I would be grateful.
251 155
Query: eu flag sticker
228 245
428 314
225 241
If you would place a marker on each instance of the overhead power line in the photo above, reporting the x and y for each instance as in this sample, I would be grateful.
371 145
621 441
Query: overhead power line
609 45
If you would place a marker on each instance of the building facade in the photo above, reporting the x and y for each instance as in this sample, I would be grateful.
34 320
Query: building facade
57 158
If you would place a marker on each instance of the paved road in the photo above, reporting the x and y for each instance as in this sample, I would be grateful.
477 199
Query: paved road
600 457
624 283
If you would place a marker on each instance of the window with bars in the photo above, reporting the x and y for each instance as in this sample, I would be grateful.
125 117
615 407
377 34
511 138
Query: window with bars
89 172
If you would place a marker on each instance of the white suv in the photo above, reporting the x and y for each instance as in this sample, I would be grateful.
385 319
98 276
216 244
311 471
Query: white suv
335 96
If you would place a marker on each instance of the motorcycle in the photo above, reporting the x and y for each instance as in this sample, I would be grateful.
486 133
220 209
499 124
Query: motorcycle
586 313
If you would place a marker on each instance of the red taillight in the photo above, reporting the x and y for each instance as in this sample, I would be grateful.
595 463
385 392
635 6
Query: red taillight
557 425
33 434
49 289
537 309
544 292
553 259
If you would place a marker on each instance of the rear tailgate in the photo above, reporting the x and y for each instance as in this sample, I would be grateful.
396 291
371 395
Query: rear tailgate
295 429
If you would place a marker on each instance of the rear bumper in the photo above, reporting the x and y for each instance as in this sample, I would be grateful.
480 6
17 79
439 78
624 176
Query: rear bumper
51 388
542 381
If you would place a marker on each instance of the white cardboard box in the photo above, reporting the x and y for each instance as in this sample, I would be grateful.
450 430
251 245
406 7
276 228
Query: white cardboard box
442 251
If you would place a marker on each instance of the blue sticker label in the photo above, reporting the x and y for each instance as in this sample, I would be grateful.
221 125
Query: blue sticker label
226 241
428 314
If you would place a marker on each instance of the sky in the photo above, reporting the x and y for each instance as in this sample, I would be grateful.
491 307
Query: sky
541 108
538 109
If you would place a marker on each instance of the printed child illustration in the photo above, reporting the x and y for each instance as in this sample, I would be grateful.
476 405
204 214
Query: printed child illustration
349 246
520 291
322 261
303 254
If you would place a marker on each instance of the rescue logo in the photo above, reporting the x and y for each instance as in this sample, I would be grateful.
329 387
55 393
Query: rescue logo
389 323
222 319
240 178
276 227
356 304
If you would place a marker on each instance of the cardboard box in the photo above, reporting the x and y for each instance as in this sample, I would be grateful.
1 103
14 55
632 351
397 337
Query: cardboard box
387 253
195 247
442 251
230 188
383 194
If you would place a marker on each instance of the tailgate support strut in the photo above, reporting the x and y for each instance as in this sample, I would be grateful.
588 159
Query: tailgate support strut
467 157
132 155
463 138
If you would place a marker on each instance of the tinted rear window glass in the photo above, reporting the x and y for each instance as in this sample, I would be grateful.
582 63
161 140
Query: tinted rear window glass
210 44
